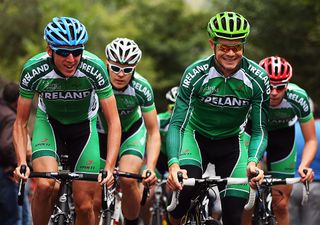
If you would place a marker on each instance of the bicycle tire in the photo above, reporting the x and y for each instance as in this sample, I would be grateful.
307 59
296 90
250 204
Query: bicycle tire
156 218
272 221
212 222
106 219
269 221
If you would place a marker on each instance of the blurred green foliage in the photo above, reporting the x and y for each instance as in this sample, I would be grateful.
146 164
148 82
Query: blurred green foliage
171 34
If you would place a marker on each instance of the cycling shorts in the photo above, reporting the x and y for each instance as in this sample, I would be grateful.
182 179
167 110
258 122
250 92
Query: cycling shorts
79 141
281 152
133 142
229 155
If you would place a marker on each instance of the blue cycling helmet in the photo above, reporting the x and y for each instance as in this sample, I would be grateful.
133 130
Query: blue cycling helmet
65 31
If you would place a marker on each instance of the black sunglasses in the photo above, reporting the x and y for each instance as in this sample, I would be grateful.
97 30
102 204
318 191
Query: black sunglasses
64 52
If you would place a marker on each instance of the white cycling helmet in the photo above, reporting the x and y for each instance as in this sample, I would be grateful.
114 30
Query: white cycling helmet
171 95
124 51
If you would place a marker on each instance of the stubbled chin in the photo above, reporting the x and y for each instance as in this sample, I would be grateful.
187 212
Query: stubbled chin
119 86
69 74
229 65
274 103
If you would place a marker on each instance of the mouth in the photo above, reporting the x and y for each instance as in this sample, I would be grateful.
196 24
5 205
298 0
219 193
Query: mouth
70 67
229 60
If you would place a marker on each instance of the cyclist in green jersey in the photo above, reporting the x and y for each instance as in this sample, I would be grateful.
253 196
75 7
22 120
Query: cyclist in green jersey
71 83
288 104
215 97
138 116
161 167
163 121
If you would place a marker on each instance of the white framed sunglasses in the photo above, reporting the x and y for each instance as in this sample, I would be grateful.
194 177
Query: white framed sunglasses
117 69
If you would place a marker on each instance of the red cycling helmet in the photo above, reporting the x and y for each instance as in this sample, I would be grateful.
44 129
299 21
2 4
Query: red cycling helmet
278 69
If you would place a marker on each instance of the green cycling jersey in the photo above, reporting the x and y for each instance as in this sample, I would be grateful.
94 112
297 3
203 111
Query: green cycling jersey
294 106
137 97
163 122
218 107
69 100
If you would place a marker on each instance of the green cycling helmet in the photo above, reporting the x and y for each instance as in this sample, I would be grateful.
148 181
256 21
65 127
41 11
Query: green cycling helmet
228 25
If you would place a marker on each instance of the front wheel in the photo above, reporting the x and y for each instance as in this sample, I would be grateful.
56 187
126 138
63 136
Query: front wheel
156 218
106 218
271 221
212 222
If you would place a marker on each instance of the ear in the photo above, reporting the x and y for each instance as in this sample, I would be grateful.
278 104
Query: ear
49 51
212 45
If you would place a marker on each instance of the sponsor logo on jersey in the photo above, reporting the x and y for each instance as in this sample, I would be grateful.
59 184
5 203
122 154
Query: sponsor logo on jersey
125 112
89 162
34 72
225 101
280 121
209 90
94 72
88 165
66 95
302 102
189 76
185 152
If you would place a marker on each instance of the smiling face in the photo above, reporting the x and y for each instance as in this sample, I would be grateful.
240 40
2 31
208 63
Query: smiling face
120 74
66 58
228 54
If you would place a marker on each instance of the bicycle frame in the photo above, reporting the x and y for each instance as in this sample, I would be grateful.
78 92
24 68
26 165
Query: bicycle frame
263 211
62 214
159 203
111 205
111 199
196 214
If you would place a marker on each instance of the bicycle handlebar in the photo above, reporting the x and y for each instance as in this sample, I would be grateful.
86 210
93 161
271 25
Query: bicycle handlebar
23 169
175 195
207 182
145 190
268 181
67 175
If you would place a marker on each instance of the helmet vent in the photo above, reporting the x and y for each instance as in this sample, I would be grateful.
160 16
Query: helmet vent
269 68
245 25
231 25
223 23
238 24
276 70
283 68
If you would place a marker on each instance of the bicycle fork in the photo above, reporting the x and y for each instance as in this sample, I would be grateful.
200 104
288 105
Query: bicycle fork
61 209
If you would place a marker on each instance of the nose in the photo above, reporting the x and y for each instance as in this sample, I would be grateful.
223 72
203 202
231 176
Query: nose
274 91
70 57
230 52
121 73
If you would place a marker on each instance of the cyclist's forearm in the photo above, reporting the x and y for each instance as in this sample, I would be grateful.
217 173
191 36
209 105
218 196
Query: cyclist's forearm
153 149
20 140
309 152
114 138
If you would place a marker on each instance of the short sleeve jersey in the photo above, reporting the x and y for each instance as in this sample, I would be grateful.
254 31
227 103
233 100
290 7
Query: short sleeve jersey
218 107
68 100
294 106
136 98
